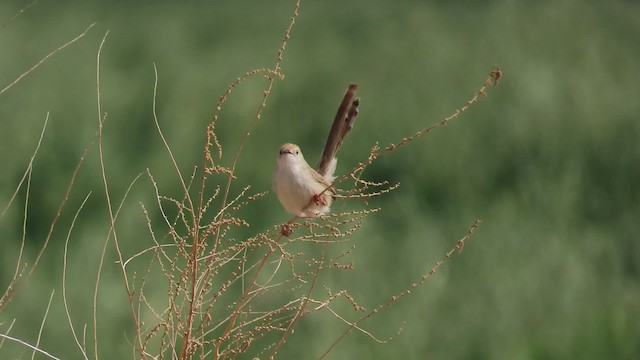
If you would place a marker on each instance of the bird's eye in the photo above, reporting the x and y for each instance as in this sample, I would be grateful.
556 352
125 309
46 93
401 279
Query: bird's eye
297 152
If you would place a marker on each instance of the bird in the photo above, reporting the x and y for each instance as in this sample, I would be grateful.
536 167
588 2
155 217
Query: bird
302 190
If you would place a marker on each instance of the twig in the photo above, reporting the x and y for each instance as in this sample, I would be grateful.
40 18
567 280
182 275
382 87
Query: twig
27 175
112 218
15 16
4 336
458 247
45 59
44 319
64 276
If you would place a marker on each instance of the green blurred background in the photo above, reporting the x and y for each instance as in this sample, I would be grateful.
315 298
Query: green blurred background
550 160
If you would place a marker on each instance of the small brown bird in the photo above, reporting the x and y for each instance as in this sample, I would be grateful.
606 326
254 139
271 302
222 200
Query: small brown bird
302 190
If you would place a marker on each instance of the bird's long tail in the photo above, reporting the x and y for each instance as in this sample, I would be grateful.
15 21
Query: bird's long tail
342 124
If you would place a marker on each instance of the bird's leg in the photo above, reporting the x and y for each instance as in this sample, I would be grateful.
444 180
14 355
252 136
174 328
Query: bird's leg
319 200
286 230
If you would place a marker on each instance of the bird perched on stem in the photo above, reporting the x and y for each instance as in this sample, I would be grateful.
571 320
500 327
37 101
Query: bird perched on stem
302 190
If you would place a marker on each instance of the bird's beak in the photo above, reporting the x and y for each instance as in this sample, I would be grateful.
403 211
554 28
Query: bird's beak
285 151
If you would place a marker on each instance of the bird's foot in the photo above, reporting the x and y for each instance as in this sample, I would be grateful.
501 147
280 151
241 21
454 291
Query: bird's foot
319 200
286 230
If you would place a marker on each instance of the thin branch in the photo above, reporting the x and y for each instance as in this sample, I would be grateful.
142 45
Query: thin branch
13 322
45 59
267 92
29 167
27 174
21 342
101 264
166 144
303 305
458 247
493 78
195 227
44 319
64 277
112 217
8 296
15 16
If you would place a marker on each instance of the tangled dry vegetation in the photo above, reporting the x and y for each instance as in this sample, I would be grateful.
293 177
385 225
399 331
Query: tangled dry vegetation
225 295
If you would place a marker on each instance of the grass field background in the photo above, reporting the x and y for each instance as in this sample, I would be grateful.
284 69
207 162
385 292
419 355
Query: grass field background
549 161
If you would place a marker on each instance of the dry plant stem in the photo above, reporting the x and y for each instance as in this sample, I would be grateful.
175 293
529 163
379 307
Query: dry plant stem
212 168
29 167
458 247
243 298
13 322
27 175
100 265
6 23
13 286
492 79
212 139
45 59
44 318
276 70
173 159
9 295
195 227
35 348
64 277
230 178
303 305
112 219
